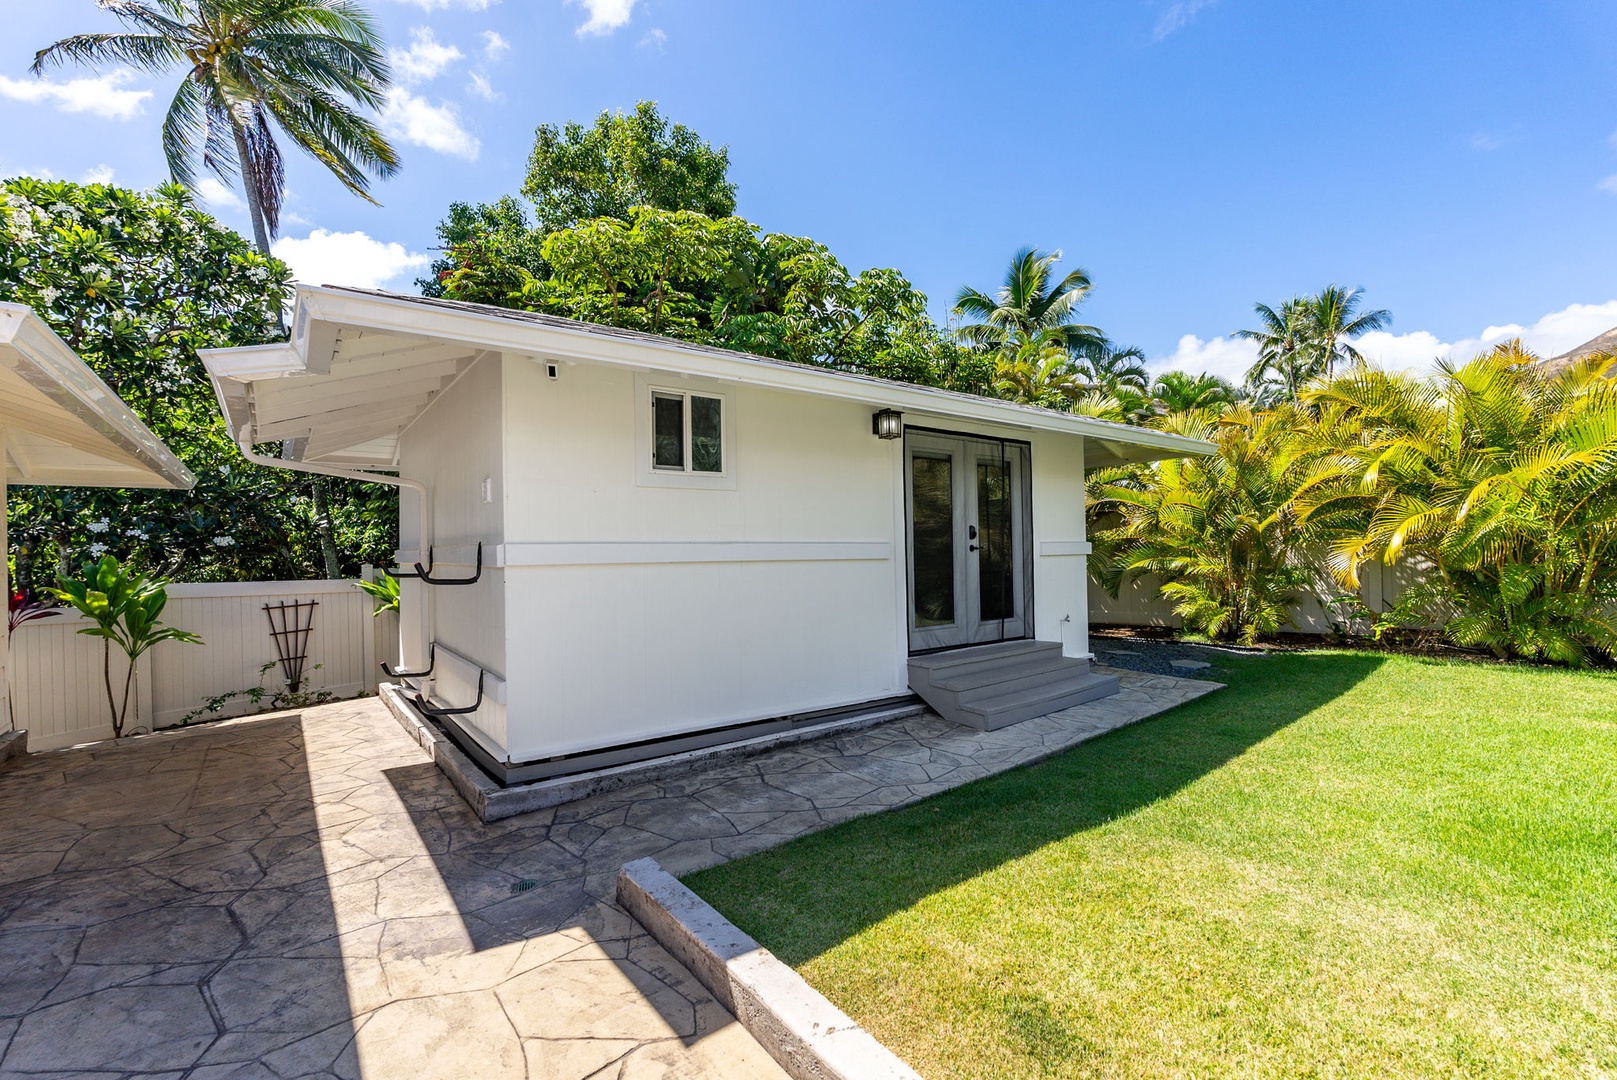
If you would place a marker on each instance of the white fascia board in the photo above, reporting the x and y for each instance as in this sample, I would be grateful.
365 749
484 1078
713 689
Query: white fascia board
250 362
390 314
49 365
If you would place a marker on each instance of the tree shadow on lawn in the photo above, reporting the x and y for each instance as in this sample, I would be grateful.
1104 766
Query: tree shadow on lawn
807 896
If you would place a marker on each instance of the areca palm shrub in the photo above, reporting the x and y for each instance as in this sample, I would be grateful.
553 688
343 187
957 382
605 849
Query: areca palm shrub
1498 476
1216 530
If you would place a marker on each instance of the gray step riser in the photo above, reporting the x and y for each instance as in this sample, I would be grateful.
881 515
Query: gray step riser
974 668
982 653
1053 680
1005 718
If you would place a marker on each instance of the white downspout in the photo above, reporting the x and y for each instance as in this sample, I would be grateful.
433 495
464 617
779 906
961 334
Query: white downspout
245 445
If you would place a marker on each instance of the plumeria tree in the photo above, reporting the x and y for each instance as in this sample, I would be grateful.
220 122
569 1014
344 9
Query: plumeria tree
136 283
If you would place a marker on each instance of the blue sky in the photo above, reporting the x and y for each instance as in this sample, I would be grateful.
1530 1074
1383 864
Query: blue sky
1459 162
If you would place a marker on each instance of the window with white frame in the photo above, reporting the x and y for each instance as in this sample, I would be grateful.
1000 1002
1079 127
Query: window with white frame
687 433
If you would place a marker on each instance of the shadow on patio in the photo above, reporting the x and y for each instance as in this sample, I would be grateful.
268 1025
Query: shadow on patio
162 904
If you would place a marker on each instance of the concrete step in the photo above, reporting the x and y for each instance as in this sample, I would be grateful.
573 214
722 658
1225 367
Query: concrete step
953 660
988 714
990 686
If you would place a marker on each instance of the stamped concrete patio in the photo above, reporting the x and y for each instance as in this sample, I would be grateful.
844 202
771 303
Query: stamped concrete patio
304 895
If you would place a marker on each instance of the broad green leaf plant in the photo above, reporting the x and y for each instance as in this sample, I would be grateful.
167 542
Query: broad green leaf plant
125 608
384 590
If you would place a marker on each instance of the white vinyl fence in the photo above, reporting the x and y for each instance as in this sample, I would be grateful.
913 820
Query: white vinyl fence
1139 603
59 691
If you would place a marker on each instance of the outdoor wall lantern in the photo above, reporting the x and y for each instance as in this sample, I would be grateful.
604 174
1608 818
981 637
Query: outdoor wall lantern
887 424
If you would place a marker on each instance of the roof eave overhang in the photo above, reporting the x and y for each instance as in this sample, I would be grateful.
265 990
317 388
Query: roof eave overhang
48 364
319 314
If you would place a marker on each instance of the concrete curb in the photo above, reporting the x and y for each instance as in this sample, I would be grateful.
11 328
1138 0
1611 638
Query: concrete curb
807 1035
491 802
13 745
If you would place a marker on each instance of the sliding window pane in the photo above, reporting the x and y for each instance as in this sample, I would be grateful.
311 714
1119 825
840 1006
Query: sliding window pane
707 434
667 431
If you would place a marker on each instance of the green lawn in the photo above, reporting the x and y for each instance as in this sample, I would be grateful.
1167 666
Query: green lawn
1345 865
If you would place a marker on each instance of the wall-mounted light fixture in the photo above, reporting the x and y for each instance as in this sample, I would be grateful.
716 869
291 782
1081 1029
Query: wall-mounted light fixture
887 424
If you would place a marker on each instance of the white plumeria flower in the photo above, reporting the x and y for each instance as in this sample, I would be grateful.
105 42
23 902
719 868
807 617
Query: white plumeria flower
99 526
98 550
224 541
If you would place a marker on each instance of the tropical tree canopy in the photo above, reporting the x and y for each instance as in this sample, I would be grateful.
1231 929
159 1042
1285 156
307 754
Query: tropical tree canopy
621 162
1498 477
136 283
309 67
1214 530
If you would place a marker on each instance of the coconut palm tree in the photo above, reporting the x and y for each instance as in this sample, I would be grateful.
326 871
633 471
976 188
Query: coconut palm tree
1110 366
1333 318
1029 303
1286 359
308 67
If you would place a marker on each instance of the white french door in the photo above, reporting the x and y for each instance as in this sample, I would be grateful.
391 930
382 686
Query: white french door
968 514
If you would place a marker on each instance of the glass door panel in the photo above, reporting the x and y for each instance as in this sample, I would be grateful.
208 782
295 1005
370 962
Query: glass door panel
969 540
996 564
932 528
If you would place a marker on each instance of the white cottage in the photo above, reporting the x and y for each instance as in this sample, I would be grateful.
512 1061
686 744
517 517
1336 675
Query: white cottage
616 546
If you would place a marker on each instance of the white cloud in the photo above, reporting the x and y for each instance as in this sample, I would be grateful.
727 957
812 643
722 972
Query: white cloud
494 45
101 96
1228 358
1489 141
1417 350
1551 335
1178 15
420 123
218 196
352 258
654 39
482 88
1609 184
425 59
96 174
605 15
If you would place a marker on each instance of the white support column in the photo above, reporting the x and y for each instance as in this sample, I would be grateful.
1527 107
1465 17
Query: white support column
1060 550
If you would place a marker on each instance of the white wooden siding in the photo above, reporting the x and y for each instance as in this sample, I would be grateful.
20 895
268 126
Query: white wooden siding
58 691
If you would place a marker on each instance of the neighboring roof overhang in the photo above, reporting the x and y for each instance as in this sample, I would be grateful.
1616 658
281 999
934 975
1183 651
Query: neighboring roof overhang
63 425
362 365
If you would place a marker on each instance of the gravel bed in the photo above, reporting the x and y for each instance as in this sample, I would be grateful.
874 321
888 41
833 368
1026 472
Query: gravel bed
1156 657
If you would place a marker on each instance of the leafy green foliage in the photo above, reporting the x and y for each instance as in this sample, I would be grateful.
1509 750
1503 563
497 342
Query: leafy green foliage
384 590
717 281
125 608
488 248
136 283
1499 476
623 161
1216 529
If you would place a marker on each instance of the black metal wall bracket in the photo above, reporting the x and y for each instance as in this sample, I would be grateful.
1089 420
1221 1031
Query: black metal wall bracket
432 662
433 710
425 572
